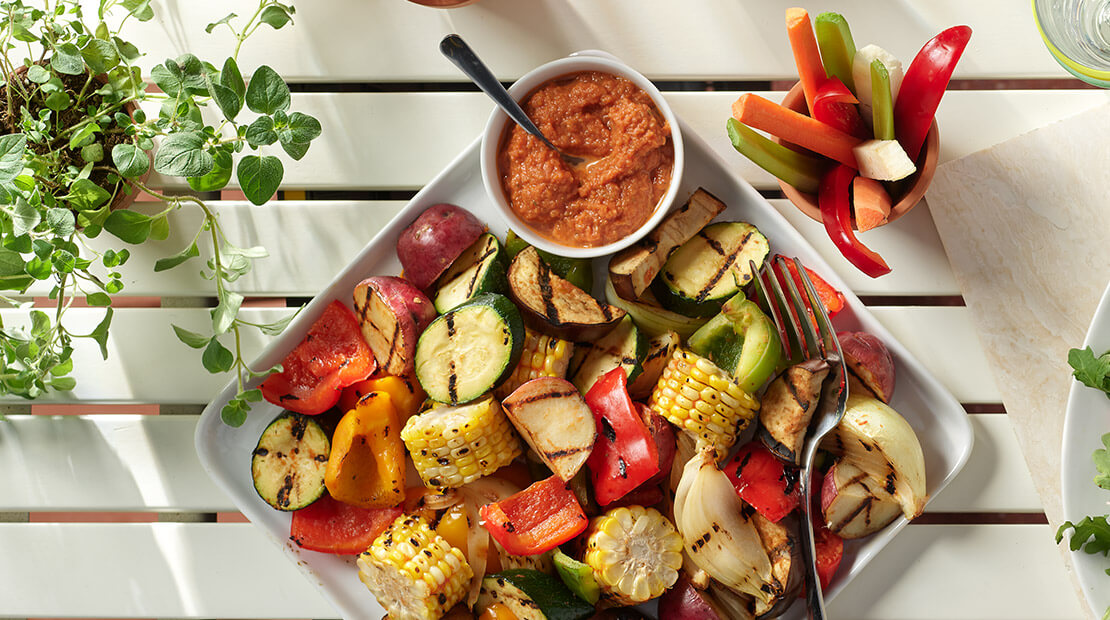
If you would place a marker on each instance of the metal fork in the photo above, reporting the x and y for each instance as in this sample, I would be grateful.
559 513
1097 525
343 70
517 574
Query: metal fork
797 328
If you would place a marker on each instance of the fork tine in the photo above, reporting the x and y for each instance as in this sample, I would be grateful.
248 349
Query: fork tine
799 319
824 325
773 309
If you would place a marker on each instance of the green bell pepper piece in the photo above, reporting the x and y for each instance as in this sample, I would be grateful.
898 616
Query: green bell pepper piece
794 168
578 577
882 105
762 352
834 39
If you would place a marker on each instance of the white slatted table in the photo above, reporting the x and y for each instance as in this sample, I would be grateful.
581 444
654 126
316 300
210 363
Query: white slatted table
983 550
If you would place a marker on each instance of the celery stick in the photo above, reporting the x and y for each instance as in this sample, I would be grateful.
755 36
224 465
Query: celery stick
882 107
834 39
794 168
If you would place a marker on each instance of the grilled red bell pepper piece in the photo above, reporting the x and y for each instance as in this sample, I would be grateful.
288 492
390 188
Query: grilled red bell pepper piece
625 455
328 525
836 106
836 213
763 481
829 549
332 356
537 519
923 86
832 298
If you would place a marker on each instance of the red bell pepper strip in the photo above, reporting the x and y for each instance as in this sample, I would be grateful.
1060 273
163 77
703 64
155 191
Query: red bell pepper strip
832 298
836 213
535 520
328 525
836 106
763 481
332 356
625 455
829 549
924 85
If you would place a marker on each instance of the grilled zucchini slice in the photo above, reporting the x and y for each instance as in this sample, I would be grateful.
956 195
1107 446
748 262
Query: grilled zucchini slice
710 268
290 460
624 346
479 269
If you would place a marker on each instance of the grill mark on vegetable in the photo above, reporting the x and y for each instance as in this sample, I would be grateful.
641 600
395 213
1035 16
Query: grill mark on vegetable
564 452
891 479
864 505
543 396
622 467
452 382
285 490
607 430
473 284
726 266
449 318
543 278
392 343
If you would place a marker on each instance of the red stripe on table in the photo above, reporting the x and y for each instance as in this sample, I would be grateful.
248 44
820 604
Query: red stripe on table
80 409
92 517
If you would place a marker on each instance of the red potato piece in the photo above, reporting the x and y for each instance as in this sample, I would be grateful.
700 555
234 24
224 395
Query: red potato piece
434 240
869 359
555 421
852 505
392 313
665 442
685 602
870 203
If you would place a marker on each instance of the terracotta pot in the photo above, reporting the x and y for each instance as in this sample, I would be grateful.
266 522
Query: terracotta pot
123 199
920 180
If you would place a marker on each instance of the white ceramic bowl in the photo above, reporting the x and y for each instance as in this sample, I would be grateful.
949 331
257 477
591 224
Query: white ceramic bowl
580 61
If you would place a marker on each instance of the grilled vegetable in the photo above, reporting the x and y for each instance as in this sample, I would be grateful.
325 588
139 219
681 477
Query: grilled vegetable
577 271
366 466
428 246
742 341
555 421
788 406
718 533
553 305
879 441
578 576
532 595
543 356
654 319
463 354
686 602
535 520
328 525
659 352
710 268
624 346
869 359
625 455
785 553
414 572
633 269
288 463
405 394
392 313
635 554
479 269
763 481
853 504
701 399
453 445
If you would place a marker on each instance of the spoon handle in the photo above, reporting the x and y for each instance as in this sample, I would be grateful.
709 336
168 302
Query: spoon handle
457 51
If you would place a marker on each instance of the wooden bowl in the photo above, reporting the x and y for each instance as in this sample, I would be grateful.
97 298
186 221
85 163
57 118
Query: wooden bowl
920 180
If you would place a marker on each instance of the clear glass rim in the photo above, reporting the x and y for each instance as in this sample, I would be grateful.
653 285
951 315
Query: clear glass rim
1077 69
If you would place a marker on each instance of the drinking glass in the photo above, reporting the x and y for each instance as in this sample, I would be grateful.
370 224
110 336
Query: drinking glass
1077 33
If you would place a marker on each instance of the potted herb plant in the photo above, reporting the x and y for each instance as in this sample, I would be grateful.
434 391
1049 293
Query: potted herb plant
79 133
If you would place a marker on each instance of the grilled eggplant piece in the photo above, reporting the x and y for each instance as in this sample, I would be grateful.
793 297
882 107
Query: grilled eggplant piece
554 419
659 352
554 306
633 269
783 548
788 406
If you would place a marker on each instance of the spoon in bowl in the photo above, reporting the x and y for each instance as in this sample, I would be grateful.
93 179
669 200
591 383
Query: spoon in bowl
457 51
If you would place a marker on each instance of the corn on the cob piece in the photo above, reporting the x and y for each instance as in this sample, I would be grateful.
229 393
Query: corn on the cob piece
635 554
414 572
700 398
543 356
453 445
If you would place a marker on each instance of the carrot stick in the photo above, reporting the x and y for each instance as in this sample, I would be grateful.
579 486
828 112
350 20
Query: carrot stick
811 72
790 126
870 203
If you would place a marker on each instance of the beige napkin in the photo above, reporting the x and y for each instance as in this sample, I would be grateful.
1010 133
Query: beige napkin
1026 225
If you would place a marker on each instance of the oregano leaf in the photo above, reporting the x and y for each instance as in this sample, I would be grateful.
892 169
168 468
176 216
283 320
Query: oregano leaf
183 155
131 161
130 226
259 177
170 262
67 59
267 92
11 156
191 338
223 315
216 357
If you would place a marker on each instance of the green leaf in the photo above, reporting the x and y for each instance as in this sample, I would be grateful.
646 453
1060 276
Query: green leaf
275 328
92 153
129 226
127 50
11 156
24 217
294 150
84 136
302 129
267 92
223 20
255 251
229 102
67 59
84 195
11 263
131 161
218 177
160 228
98 299
100 55
100 333
139 8
1101 459
62 368
63 384
223 315
170 262
1090 370
216 357
60 221
63 261
259 177
183 155
193 339
58 101
252 396
234 413
40 323
275 16
261 132
37 74
230 77
38 268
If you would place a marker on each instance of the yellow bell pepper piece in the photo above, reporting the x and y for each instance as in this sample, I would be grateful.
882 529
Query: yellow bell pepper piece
366 466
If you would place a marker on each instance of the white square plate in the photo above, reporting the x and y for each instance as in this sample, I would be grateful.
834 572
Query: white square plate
939 420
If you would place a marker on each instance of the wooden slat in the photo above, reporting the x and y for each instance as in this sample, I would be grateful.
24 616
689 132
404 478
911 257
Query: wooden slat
233 571
942 338
391 40
151 464
425 131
